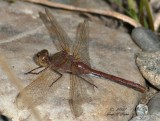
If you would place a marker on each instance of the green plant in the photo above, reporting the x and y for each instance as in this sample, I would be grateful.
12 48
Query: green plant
139 10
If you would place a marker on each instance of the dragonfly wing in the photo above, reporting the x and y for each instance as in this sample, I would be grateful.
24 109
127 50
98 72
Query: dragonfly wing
89 83
81 47
78 94
39 89
54 28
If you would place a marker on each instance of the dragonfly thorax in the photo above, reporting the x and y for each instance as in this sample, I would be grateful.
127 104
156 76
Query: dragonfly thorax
61 60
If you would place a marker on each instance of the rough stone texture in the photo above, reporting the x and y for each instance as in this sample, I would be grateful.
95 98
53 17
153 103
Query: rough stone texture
146 39
141 109
153 104
22 34
146 118
149 65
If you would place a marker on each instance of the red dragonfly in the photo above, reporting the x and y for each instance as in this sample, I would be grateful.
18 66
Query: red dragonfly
73 60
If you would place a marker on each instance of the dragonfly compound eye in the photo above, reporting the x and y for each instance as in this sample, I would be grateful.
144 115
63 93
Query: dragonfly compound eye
42 58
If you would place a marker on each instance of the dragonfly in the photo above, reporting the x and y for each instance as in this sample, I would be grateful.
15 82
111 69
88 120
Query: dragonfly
70 58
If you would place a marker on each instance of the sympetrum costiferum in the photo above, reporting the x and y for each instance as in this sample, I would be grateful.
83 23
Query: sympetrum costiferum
73 60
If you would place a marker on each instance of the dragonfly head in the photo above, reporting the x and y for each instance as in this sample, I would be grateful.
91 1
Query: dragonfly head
42 58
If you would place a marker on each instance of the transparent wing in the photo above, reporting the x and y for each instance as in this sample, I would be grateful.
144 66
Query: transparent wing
89 83
81 47
39 89
55 29
78 93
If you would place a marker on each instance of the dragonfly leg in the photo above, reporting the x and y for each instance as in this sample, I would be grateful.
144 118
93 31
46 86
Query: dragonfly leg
88 81
31 72
60 75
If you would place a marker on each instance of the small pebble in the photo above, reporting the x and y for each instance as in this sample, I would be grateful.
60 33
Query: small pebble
141 109
146 39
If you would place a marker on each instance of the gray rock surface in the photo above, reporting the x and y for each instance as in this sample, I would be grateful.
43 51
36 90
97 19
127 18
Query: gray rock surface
149 65
154 107
146 118
148 62
146 39
22 34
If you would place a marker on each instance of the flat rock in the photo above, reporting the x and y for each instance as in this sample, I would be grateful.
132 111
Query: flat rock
22 34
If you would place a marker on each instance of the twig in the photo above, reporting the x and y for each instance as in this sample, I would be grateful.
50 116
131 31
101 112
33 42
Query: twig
90 10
